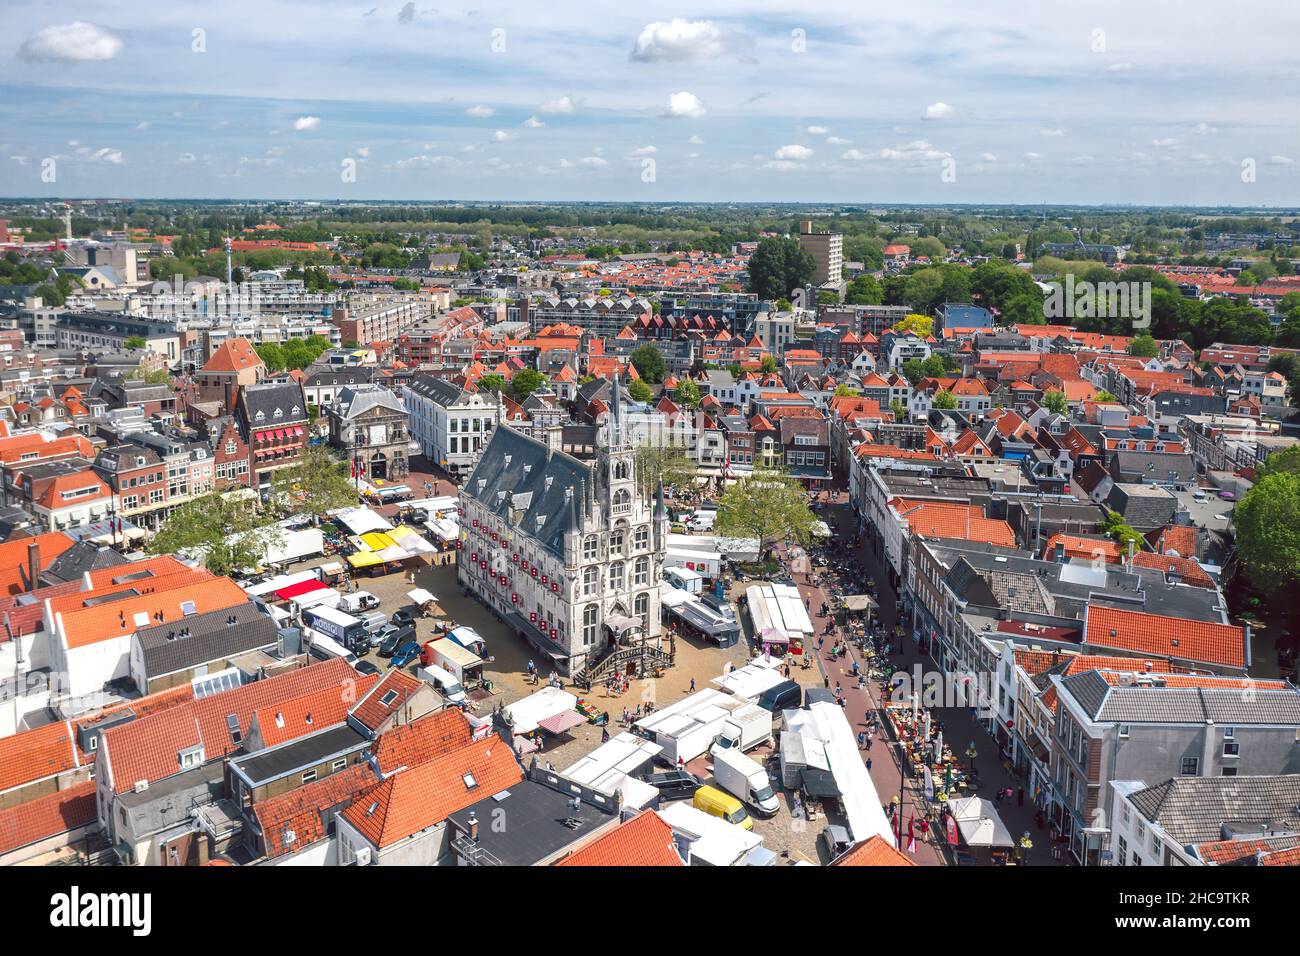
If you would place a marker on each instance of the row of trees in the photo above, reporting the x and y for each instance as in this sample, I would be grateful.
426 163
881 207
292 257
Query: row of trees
232 532
293 354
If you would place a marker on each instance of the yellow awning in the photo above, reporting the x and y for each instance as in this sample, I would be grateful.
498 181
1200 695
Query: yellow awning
364 559
378 540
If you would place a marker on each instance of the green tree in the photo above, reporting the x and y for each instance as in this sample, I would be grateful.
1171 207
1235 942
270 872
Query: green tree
649 363
922 325
1056 402
493 382
767 505
525 382
640 391
272 356
865 290
767 364
136 342
668 464
687 393
1284 462
1105 396
1267 522
899 410
1144 346
1120 530
846 391
778 266
228 532
314 484
944 400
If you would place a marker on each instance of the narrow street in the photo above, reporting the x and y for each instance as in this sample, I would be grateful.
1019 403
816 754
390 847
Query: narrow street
961 729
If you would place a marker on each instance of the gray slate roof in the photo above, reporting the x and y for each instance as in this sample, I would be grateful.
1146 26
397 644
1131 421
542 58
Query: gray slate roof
212 636
521 481
1182 705
1194 809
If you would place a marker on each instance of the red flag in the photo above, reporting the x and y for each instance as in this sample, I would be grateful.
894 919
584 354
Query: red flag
952 831
911 833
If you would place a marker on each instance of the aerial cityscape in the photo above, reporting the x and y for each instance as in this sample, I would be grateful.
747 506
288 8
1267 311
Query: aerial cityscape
746 437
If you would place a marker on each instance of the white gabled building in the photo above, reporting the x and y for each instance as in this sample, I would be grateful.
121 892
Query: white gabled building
451 423
568 552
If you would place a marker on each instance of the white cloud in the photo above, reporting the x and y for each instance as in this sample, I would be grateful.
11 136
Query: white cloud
480 111
1281 160
185 158
533 123
838 141
686 105
793 151
363 151
306 123
988 157
1165 143
1205 129
696 140
916 151
104 155
562 104
818 130
680 41
74 42
500 136
1056 131
594 161
782 165
938 111
644 151
1119 68
142 125
1033 157
853 154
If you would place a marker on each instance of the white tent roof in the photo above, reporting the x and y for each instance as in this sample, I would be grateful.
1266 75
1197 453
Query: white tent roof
362 520
979 822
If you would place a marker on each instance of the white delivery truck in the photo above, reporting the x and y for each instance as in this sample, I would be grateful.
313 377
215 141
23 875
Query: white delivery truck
744 779
465 666
444 683
746 728
357 603
690 727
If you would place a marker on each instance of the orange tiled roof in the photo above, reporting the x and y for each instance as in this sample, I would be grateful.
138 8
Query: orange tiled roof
422 740
13 559
308 713
233 355
89 625
371 709
645 840
47 816
293 820
426 795
874 851
947 519
1166 636
35 754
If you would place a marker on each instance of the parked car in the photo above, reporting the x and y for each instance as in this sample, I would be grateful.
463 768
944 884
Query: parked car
1228 495
1199 495
390 637
403 617
405 654
836 840
675 784
366 668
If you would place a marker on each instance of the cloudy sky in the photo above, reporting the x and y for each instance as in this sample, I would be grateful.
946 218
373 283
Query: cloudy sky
1097 102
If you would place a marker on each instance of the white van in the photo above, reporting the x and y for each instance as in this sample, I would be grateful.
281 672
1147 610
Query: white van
323 647
444 682
701 520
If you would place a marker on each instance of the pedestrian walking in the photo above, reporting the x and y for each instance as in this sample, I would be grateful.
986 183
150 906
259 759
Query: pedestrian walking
692 685
862 740
868 765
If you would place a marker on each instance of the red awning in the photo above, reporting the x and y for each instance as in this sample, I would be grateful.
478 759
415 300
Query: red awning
302 587
279 433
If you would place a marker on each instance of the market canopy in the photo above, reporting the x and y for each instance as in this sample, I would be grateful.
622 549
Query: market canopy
618 623
364 559
857 602
421 596
559 723
818 784
299 589
979 823
362 521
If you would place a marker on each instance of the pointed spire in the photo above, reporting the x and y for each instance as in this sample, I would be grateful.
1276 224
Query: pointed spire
574 527
661 510
616 414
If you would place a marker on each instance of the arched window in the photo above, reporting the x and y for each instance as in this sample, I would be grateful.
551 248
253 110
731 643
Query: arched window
642 608
590 548
590 580
616 576
622 501
589 625
641 572
621 470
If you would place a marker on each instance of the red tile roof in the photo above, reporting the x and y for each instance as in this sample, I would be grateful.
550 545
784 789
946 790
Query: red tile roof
160 604
1210 643
420 741
645 840
293 820
424 796
309 713
947 519
32 755
147 748
371 709
47 816
874 851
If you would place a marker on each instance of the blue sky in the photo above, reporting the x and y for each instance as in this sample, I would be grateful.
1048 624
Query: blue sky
1097 102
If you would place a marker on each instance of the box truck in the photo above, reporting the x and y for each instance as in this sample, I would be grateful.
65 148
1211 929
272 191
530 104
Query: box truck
746 728
690 727
743 778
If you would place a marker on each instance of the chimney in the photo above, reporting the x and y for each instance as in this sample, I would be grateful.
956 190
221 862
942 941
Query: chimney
473 827
33 563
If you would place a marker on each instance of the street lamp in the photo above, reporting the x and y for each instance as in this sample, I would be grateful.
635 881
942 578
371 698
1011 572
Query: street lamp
971 754
902 771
